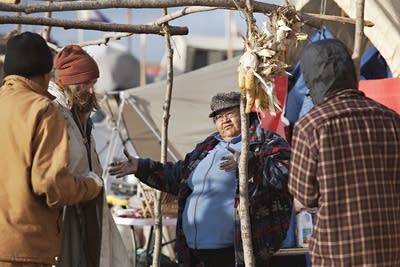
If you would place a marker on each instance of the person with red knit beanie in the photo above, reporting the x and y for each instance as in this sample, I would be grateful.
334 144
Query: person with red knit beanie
75 65
77 73
89 229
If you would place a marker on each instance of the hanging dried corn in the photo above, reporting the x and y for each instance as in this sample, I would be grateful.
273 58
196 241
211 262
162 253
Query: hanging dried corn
264 58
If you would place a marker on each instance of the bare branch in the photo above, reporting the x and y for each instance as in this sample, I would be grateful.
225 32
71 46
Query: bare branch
105 39
181 13
88 25
311 17
164 19
54 47
105 4
8 35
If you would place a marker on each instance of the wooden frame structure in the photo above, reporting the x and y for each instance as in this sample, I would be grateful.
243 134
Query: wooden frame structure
161 27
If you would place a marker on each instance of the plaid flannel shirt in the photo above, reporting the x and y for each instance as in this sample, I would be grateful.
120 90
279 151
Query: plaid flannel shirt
346 162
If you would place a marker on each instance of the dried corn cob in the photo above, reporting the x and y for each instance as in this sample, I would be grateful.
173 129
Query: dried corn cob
250 89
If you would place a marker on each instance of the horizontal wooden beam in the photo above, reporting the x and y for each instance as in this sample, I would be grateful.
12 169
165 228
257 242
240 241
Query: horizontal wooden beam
105 4
313 17
88 25
10 1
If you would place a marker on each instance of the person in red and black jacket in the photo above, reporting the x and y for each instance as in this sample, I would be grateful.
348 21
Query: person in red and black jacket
206 183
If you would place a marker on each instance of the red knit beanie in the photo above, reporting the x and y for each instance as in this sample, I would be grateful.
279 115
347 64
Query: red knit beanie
75 66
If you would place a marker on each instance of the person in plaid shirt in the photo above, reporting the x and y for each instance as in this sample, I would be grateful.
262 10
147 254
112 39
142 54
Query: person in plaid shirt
345 162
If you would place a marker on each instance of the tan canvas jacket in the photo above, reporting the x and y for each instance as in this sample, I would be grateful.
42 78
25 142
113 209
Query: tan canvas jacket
35 182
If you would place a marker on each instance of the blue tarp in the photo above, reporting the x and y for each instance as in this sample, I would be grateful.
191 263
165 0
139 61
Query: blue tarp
299 89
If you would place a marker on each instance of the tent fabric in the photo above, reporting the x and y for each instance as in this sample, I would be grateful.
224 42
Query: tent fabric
384 35
385 91
190 105
196 51
119 69
188 123
341 31
296 95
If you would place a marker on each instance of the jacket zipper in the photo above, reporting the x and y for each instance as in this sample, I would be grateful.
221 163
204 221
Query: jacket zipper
197 200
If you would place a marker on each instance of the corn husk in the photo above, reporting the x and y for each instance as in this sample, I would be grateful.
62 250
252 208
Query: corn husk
264 50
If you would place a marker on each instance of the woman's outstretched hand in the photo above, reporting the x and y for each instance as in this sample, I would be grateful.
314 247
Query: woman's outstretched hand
123 168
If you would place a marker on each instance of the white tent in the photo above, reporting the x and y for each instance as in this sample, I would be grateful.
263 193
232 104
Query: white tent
192 52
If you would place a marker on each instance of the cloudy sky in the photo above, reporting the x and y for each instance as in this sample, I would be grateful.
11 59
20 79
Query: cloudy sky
211 23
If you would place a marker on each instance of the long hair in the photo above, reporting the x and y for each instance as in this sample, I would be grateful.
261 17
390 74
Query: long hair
84 101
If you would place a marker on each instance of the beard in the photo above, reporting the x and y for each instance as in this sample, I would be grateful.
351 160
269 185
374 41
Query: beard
82 100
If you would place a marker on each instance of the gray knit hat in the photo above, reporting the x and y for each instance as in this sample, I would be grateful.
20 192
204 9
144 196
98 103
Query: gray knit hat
223 101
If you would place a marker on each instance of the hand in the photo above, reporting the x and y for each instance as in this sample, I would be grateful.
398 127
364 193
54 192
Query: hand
230 163
95 178
99 182
123 168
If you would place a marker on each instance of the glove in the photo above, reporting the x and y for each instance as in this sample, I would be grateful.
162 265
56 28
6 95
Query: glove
95 178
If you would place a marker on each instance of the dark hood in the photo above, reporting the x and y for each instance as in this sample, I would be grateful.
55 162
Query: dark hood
327 68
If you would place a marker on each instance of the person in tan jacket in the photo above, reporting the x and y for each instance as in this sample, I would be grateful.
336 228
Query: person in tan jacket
34 176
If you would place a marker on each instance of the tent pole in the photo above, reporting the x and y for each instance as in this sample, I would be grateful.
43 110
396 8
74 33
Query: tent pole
112 148
134 106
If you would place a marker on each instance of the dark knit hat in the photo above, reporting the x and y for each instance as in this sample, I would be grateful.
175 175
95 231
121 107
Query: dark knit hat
223 101
75 65
27 55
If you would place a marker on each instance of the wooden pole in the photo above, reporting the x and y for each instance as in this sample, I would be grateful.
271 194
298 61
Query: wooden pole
245 225
105 4
89 25
129 21
228 34
19 26
47 29
9 1
244 214
359 34
164 144
142 43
